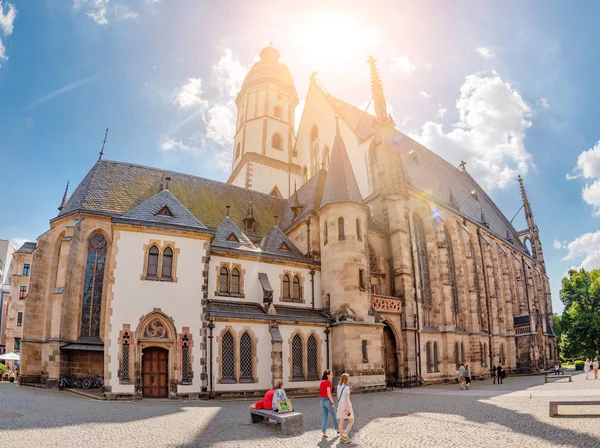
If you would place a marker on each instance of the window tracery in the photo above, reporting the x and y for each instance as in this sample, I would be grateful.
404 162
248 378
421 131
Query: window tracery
93 284
423 263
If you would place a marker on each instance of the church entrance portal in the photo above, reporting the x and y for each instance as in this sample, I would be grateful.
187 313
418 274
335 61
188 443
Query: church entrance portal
390 358
155 364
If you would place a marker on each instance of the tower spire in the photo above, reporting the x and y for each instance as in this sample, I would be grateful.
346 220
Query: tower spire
103 143
526 206
534 234
377 91
64 199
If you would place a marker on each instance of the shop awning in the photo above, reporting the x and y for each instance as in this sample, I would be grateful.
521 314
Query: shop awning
83 348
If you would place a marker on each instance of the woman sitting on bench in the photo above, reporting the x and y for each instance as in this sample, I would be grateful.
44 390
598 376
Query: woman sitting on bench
266 402
279 395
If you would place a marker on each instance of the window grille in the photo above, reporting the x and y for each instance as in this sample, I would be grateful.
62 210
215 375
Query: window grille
125 358
92 289
228 357
296 290
153 262
246 357
286 286
341 230
297 359
19 319
436 366
428 356
235 281
358 230
185 359
167 264
365 354
224 280
313 358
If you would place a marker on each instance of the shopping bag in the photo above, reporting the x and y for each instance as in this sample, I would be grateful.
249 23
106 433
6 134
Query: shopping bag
284 406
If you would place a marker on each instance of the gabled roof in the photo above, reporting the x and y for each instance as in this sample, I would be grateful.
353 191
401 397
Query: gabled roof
340 182
275 242
158 210
226 229
114 188
309 197
27 248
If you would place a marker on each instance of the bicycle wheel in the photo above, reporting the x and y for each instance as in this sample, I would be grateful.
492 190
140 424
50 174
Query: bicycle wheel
87 383
76 384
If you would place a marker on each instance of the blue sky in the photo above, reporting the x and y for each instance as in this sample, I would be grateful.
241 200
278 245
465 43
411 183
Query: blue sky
511 87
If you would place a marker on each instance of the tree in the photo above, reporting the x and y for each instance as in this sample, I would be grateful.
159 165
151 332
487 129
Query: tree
579 325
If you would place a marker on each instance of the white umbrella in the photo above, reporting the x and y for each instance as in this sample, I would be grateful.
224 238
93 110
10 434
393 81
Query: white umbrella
10 357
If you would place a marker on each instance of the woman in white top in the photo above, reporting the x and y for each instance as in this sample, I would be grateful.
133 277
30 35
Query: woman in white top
595 365
345 413
586 368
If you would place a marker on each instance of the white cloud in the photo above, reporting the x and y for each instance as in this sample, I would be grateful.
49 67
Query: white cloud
405 121
18 242
489 134
220 124
544 103
441 112
402 64
427 67
588 167
122 12
587 248
425 94
171 144
559 244
190 94
7 20
485 53
101 10
228 74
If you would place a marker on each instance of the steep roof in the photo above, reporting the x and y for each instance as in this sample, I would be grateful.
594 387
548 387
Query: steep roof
163 209
275 242
230 236
309 197
27 248
114 188
340 182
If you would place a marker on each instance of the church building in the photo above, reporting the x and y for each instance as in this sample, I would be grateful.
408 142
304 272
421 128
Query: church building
344 245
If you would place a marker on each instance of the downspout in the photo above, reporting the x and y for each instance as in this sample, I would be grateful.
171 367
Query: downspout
312 287
327 331
211 326
416 321
308 238
487 298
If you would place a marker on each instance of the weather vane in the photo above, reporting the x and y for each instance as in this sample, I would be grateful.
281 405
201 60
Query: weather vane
103 142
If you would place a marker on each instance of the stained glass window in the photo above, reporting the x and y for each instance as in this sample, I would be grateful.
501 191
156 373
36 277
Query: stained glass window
167 263
246 356
297 358
423 263
153 262
452 274
235 281
92 290
476 286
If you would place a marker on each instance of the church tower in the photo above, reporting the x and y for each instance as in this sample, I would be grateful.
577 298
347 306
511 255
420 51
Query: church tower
532 233
263 156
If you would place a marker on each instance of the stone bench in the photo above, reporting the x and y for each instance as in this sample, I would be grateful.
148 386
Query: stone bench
291 422
555 404
558 377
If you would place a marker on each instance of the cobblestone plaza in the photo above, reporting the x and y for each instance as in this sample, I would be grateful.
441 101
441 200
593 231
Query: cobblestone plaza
512 414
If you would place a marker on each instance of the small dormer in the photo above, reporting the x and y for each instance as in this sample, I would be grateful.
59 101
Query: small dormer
164 211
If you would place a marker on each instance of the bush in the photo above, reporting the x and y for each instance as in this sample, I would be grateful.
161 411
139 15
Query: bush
2 369
579 365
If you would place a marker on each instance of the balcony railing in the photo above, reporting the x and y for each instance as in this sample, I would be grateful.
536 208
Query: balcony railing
387 304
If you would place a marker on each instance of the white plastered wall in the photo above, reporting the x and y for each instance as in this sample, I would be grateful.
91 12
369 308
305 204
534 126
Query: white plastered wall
252 288
134 298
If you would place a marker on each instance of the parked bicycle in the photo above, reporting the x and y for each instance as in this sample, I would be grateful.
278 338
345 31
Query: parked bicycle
93 383
69 383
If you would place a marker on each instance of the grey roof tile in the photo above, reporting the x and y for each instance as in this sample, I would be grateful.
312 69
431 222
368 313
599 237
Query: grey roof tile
27 248
238 241
275 242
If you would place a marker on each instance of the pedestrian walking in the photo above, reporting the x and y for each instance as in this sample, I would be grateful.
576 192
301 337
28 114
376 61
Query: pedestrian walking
345 413
461 376
493 373
327 404
595 368
499 373
586 368
467 375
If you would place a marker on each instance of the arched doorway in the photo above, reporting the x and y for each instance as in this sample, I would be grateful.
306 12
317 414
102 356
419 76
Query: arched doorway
390 359
155 377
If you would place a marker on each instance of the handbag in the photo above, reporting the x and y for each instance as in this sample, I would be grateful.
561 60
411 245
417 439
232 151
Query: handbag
284 406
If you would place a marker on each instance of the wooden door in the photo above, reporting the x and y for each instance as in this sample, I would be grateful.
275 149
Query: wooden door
155 363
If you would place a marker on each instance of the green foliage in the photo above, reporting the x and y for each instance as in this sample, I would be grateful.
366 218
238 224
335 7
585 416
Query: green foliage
579 365
2 369
578 329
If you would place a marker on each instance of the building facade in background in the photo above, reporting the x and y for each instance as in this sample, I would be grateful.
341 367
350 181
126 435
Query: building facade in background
6 253
344 245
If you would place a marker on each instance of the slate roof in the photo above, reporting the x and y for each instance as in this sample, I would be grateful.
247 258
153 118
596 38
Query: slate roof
147 211
549 328
521 321
309 196
340 182
432 174
224 238
274 239
114 188
254 311
27 248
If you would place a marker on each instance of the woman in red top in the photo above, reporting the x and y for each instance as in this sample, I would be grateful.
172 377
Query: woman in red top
327 403
266 402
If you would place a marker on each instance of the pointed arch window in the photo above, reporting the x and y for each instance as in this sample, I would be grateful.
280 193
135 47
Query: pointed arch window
312 353
297 359
224 280
286 286
296 288
485 353
341 229
462 353
167 264
436 365
452 274
246 358
91 304
428 357
228 358
456 355
277 141
235 281
423 264
476 286
358 230
125 358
